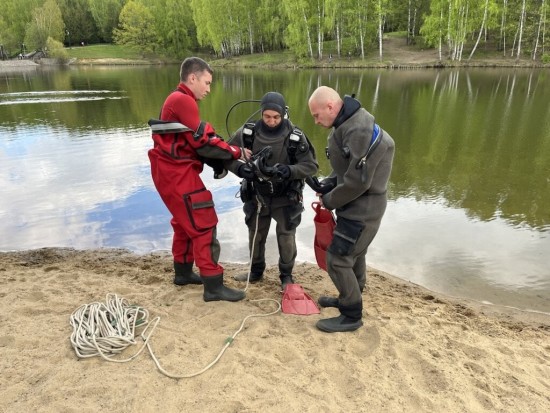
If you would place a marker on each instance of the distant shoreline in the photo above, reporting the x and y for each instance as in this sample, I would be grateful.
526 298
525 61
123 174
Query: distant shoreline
17 65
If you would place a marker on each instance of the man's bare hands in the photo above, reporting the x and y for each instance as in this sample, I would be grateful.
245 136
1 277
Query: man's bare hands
246 154
320 195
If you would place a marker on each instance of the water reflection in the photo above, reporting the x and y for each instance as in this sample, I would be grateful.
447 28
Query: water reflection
468 192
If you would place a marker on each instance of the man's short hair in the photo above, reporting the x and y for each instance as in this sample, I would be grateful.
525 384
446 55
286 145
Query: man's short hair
193 65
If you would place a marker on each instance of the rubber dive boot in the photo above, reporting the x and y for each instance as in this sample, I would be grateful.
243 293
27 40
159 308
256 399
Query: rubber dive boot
285 279
254 277
215 290
326 301
338 324
185 274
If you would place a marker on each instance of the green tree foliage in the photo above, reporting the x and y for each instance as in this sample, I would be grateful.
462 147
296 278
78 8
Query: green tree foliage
105 14
298 32
56 50
434 28
79 22
46 22
136 27
174 26
233 27
15 16
362 25
270 22
206 28
221 24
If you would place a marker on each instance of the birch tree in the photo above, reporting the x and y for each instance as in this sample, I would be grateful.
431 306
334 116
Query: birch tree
298 33
271 21
458 27
320 26
521 22
380 12
362 27
481 29
542 19
335 21
503 26
220 24
435 25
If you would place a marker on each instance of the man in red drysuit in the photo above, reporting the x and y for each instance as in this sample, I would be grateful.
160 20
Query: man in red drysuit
182 144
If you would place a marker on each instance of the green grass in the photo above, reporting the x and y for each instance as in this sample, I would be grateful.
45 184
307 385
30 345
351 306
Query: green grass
104 51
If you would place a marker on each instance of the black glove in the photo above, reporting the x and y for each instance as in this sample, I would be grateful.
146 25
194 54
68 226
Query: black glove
320 187
218 167
246 172
282 172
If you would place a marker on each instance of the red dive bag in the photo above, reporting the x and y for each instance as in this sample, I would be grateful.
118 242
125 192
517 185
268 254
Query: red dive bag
324 227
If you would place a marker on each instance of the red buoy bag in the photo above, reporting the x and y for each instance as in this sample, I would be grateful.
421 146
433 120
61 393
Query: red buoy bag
324 227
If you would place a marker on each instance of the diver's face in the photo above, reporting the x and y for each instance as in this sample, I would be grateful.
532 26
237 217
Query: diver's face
271 118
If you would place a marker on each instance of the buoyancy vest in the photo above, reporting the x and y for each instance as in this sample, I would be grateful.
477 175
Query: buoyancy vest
297 141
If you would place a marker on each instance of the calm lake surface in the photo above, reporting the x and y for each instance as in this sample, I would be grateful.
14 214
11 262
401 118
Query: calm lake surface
469 196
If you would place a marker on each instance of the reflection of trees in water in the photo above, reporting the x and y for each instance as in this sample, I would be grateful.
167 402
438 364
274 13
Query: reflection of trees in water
480 139
483 144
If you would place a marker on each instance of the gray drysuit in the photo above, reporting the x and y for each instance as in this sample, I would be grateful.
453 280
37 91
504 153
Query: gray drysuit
358 198
282 201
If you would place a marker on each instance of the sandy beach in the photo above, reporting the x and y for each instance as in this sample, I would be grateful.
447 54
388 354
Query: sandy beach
417 351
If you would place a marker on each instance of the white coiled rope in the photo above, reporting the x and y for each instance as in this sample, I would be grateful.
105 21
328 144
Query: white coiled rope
107 329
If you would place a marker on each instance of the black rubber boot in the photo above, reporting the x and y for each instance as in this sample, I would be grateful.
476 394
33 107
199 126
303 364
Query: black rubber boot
185 274
325 301
285 279
339 324
215 290
348 320
254 277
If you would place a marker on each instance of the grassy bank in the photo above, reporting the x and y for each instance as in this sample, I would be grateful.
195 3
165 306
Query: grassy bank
395 54
104 51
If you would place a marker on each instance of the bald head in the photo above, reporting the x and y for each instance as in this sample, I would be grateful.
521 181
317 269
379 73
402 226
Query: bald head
323 94
325 104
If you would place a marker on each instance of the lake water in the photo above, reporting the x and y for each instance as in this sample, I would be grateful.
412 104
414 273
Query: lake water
469 196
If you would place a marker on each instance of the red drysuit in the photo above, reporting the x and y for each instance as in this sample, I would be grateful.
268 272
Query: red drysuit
176 162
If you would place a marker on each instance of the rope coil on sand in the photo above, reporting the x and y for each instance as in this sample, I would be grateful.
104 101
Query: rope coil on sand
107 329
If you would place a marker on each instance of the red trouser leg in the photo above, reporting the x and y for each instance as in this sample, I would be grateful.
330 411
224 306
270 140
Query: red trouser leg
182 246
193 237
205 247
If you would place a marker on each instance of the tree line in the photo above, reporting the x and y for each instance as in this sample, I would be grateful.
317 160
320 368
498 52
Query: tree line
308 29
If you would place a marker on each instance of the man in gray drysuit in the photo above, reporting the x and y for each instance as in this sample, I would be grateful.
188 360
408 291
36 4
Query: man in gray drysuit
361 156
274 189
